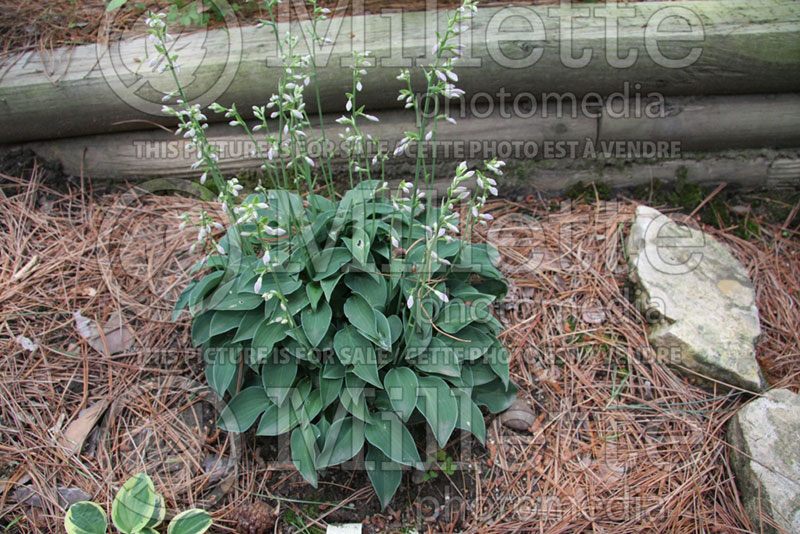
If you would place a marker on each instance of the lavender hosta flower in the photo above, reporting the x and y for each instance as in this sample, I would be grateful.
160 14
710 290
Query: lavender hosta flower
441 296
269 230
438 258
257 285
234 187
452 92
495 166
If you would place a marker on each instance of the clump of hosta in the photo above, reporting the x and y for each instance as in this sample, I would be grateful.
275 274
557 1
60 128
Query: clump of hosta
346 341
347 321
137 509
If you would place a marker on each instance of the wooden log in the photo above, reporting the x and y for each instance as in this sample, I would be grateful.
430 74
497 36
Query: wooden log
155 153
676 48
142 154
713 122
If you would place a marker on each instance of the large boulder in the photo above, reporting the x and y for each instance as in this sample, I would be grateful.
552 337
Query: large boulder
698 298
765 456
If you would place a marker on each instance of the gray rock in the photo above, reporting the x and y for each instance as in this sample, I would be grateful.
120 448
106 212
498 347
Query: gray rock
765 457
698 298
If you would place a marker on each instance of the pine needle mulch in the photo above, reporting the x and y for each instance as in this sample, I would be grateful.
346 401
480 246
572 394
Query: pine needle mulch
617 442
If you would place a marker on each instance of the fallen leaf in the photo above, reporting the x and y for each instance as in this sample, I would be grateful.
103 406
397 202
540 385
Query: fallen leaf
66 496
76 433
26 343
118 336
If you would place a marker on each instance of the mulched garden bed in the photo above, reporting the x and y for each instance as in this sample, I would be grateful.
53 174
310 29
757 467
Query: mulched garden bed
617 442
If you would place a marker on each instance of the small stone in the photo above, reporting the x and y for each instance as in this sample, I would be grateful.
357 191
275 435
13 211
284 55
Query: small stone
765 457
698 298
519 416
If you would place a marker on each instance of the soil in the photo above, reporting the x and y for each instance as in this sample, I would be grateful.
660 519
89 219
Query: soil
442 502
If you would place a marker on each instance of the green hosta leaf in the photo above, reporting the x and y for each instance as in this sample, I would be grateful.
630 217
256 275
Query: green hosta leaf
352 348
304 453
159 513
224 321
329 284
296 302
495 396
384 474
250 321
455 316
201 328
439 358
396 327
316 323
328 261
436 403
277 420
384 339
481 372
314 292
355 405
134 505
321 203
480 258
239 302
354 384
343 440
368 372
463 382
308 407
85 517
115 4
329 390
277 376
475 343
388 433
401 385
496 288
221 366
360 314
359 246
243 410
323 425
204 287
287 284
183 299
372 290
194 521
224 290
288 205
470 417
267 334
333 370
498 360
418 338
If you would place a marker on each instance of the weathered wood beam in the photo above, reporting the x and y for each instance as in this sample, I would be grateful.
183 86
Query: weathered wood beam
676 48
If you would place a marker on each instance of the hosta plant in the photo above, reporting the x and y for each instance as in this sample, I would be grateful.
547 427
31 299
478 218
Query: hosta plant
137 509
349 321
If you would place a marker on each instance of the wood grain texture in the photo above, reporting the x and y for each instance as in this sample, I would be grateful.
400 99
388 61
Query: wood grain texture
746 47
